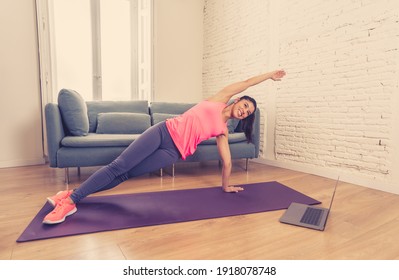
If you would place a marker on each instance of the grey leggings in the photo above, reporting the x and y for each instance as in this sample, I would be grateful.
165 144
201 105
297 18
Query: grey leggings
153 150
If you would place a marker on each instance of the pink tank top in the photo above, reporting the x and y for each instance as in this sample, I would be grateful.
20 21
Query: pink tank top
201 122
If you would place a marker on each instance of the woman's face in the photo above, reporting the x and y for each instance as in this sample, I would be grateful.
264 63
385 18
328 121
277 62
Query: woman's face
242 109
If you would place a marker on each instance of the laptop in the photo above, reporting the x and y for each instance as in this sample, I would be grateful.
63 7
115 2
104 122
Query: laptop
304 215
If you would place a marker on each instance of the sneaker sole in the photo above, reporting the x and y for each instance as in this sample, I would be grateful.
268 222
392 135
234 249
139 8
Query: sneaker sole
63 219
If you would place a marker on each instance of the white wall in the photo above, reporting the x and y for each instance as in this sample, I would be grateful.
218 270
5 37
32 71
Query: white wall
336 110
20 108
178 45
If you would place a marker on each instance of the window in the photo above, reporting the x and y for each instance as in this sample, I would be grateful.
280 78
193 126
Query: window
100 48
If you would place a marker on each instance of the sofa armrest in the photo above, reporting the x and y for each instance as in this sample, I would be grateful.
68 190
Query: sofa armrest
256 132
55 131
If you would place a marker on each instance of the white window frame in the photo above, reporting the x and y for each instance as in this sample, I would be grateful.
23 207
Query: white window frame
142 67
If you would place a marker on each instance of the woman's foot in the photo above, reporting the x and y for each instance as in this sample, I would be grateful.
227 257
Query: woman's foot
53 200
63 209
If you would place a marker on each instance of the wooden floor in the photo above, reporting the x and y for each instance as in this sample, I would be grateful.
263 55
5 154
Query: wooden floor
363 224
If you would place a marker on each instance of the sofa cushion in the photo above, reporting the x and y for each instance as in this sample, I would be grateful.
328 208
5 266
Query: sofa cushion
99 140
122 123
160 117
74 112
96 107
170 108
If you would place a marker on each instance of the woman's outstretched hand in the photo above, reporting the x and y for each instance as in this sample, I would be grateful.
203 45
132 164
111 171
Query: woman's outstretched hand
277 75
232 189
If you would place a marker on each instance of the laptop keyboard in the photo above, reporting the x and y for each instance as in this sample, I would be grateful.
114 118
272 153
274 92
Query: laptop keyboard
312 216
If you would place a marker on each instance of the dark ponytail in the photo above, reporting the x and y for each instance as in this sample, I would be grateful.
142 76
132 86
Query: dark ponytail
248 123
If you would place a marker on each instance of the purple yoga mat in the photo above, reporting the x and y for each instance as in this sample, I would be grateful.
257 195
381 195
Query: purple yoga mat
104 213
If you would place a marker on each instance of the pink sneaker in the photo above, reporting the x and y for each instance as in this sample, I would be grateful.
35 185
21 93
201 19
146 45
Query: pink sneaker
62 210
53 200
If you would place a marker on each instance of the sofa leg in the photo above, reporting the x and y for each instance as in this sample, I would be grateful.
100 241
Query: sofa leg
246 164
66 171
78 171
167 172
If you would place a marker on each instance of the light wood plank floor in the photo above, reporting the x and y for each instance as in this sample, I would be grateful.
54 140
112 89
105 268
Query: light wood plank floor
364 223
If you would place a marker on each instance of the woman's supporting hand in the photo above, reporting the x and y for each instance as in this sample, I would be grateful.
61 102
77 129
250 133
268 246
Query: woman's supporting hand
232 189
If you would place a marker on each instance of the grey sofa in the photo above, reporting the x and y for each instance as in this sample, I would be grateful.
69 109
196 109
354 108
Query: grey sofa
94 133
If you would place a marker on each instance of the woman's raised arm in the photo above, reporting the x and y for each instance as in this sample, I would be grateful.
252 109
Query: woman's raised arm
229 91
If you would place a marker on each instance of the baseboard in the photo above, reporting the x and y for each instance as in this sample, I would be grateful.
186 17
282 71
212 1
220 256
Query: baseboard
21 162
334 173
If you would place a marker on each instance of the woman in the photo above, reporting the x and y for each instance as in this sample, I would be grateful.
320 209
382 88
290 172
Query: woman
163 144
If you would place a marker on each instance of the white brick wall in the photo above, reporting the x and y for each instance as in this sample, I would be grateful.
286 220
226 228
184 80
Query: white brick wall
337 107
334 109
235 45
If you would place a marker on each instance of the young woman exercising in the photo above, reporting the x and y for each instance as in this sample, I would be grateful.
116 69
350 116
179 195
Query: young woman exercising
163 144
